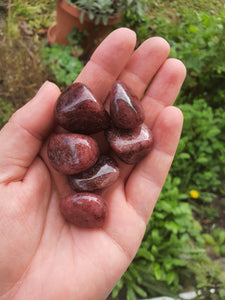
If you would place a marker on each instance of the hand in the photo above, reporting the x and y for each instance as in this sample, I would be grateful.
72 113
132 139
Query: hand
42 256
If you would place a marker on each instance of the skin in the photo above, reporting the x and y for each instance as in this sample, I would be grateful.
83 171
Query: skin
42 256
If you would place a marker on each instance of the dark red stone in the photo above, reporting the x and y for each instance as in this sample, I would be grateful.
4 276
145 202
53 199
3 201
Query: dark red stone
126 110
130 145
84 210
77 110
101 175
71 153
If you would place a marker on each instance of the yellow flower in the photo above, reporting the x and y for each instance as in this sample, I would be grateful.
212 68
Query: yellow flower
194 194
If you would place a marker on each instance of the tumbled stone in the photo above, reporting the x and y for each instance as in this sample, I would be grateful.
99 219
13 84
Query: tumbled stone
77 110
101 175
71 153
130 145
126 110
84 210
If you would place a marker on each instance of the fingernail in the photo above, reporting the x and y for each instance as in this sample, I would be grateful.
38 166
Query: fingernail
39 92
42 87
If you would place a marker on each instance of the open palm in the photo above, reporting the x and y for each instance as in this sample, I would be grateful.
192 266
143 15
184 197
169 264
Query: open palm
42 256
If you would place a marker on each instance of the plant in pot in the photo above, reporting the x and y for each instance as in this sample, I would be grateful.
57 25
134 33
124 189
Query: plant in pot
94 18
98 11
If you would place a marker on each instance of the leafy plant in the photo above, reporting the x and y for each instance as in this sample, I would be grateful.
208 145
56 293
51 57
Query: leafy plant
75 38
62 63
208 276
168 245
133 12
201 151
216 240
100 10
197 38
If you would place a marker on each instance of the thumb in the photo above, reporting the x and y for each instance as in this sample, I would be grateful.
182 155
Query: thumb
22 137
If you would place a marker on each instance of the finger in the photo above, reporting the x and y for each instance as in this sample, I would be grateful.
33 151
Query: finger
22 137
145 182
108 61
161 93
163 89
139 71
144 63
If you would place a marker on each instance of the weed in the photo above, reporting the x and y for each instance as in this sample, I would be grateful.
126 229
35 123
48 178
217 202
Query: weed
167 247
215 240
62 63
201 150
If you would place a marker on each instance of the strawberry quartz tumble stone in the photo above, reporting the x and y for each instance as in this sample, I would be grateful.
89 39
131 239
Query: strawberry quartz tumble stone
101 175
71 153
126 111
85 210
132 145
77 110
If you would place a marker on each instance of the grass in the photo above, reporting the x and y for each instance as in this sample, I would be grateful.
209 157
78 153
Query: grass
156 6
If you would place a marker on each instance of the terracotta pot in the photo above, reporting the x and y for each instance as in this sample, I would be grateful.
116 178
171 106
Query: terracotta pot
68 17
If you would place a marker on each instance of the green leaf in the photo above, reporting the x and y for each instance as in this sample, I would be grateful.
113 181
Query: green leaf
202 160
135 273
82 16
97 19
171 226
91 15
219 235
217 250
209 239
105 19
156 238
184 156
131 294
222 250
157 271
117 288
143 252
170 277
193 29
167 263
154 250
139 291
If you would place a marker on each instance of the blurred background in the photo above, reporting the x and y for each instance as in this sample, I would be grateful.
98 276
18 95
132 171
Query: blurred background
184 245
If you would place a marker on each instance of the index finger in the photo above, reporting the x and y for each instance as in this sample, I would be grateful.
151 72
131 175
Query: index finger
108 61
